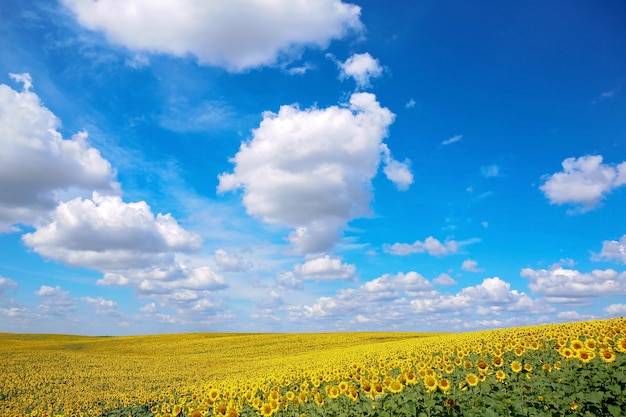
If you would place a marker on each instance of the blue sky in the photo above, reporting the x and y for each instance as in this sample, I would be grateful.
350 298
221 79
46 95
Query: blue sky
322 165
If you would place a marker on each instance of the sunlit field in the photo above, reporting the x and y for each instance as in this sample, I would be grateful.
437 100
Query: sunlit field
551 370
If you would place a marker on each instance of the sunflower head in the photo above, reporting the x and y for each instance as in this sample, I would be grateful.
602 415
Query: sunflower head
472 379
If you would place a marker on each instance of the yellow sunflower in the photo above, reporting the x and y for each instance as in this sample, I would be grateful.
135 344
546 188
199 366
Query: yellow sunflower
472 379
500 375
395 387
444 385
430 383
607 355
586 356
497 361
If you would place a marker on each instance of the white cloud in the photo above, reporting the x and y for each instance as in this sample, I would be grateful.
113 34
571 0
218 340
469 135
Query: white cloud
616 310
55 301
430 245
569 286
411 283
301 70
187 291
106 233
235 34
101 305
288 280
612 250
585 181
492 296
397 172
272 300
325 268
360 67
470 265
37 164
379 300
396 301
151 281
444 280
24 78
6 284
453 139
230 262
311 170
490 171
571 315
410 104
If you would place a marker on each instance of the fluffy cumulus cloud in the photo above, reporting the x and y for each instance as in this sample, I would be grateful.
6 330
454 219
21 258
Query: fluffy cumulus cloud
411 283
235 34
187 290
430 245
326 268
37 165
585 181
311 170
106 233
492 296
360 67
569 286
612 250
55 301
101 305
231 262
470 265
397 172
68 193
444 280
378 299
397 301
616 310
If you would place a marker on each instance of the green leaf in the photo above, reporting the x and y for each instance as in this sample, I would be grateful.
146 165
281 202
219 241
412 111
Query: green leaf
614 410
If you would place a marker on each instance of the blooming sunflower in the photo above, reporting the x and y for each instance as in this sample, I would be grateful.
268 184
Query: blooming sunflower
586 356
591 344
395 386
266 410
430 383
500 375
444 385
472 379
333 391
411 378
607 355
516 366
497 361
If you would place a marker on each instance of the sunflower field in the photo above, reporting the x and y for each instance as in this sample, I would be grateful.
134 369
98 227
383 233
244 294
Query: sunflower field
572 369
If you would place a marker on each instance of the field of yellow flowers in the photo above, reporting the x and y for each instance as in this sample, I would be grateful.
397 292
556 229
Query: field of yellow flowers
549 370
